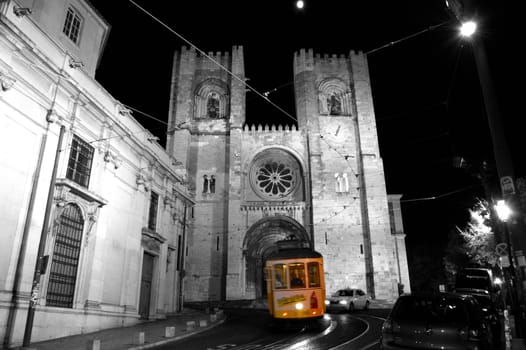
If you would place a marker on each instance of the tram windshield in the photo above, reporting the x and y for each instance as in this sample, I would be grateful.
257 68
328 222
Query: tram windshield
297 275
280 280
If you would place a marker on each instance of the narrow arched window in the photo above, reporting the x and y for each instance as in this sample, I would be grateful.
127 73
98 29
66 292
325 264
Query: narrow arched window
205 183
65 258
212 184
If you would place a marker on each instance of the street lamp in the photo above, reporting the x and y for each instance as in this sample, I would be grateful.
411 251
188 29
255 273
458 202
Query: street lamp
504 213
464 11
502 210
468 28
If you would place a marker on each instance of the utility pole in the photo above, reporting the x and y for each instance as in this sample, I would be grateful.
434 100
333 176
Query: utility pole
41 261
466 10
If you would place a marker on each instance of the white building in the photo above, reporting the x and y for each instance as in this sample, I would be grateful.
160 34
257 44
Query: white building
83 180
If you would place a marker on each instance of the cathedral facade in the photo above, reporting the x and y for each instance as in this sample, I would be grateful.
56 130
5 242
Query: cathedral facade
320 180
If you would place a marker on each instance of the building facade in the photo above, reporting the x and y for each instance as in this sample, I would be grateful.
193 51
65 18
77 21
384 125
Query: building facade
94 211
320 180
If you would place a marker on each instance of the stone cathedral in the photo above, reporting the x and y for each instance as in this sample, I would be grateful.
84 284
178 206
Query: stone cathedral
320 181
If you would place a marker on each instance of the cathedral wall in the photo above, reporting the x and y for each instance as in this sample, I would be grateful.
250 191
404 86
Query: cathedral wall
385 273
205 255
343 203
342 143
337 217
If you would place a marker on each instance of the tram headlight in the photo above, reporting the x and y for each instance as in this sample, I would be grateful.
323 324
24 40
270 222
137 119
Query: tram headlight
299 306
343 302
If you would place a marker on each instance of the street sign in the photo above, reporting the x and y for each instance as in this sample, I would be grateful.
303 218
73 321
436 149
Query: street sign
507 186
501 249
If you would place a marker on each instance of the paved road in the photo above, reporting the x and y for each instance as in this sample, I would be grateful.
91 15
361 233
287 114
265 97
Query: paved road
253 330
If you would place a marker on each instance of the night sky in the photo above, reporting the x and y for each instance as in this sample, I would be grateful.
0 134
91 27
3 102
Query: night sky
428 103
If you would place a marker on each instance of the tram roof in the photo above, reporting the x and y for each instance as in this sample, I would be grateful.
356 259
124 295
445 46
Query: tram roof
294 253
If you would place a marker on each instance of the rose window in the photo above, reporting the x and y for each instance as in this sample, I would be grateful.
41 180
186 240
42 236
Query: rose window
275 175
275 179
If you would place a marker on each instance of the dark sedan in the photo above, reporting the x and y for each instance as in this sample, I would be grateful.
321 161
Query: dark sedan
436 320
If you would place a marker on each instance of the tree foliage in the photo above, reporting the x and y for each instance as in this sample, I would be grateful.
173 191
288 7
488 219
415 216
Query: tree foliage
473 245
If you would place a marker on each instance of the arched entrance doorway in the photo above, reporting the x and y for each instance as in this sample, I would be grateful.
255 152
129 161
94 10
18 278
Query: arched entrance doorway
260 241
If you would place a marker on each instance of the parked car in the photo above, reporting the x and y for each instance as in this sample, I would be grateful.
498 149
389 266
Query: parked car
490 311
476 280
436 320
348 299
479 282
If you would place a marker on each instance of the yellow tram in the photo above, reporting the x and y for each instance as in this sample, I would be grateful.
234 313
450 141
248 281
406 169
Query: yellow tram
295 282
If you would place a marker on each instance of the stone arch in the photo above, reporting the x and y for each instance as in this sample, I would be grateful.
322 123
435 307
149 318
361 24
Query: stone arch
260 241
334 98
211 95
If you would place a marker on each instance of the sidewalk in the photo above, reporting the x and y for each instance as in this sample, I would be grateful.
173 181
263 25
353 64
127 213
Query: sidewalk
141 336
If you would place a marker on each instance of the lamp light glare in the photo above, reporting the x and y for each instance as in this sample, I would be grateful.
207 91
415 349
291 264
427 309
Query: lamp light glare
503 211
300 4
299 306
468 28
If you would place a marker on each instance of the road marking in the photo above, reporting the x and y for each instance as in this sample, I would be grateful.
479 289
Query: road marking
328 330
340 346
370 345
380 318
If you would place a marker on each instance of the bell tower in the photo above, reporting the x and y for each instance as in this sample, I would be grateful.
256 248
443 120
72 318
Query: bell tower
207 111
350 218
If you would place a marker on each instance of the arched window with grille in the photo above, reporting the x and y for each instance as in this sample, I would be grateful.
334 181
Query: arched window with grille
211 100
334 98
65 258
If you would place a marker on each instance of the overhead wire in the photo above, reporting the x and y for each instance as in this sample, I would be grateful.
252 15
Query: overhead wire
243 81
266 93
392 43
438 196
212 59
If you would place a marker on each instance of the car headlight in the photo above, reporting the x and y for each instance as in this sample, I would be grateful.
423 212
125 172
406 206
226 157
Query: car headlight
327 302
343 302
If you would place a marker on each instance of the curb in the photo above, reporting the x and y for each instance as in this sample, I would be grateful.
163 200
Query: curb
169 340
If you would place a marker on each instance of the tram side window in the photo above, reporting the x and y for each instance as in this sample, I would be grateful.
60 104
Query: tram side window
280 274
297 275
314 274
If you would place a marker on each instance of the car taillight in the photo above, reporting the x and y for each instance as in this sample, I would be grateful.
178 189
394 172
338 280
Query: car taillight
313 301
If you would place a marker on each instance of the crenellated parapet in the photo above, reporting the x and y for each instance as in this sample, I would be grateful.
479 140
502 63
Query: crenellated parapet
269 129
306 60
212 60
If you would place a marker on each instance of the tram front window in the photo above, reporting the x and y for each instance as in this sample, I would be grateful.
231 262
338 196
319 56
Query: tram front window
297 275
280 273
